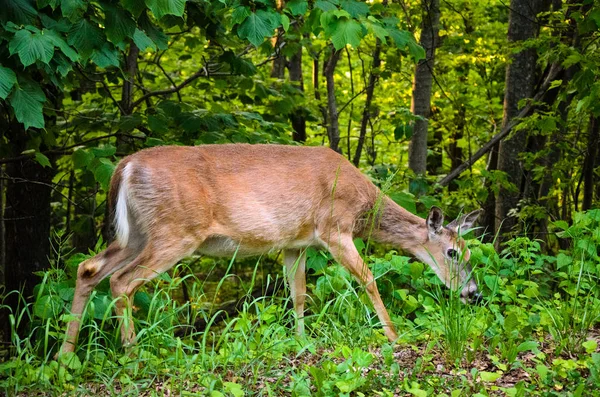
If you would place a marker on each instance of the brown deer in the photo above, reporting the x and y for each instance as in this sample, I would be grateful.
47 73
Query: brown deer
225 200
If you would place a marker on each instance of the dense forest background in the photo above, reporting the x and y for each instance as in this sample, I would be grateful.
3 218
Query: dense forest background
464 105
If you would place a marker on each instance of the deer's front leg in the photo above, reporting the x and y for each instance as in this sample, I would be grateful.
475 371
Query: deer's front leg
343 250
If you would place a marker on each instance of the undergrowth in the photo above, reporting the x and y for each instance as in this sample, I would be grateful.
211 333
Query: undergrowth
536 332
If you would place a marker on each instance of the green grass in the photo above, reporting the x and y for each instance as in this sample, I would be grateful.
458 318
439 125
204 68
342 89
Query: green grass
536 334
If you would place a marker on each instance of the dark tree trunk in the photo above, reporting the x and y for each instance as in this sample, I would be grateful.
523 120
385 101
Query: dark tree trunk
421 95
589 164
298 119
333 127
27 221
520 82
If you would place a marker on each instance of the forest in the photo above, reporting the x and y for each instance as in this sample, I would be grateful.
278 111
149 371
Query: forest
457 105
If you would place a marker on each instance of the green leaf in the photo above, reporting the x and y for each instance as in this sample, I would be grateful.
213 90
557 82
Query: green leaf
73 9
355 8
285 22
158 37
403 131
119 25
240 14
103 151
297 7
158 123
142 41
27 100
82 158
590 346
161 8
42 160
416 51
490 376
20 12
527 346
257 26
342 31
7 81
47 306
400 37
60 43
85 36
103 172
135 7
106 56
32 47
327 5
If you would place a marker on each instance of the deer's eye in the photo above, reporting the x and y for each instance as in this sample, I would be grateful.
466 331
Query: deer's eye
452 253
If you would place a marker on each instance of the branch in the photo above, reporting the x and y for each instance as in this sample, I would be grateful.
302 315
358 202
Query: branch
555 69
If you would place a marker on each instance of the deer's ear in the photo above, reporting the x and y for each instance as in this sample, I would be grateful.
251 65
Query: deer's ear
435 220
465 222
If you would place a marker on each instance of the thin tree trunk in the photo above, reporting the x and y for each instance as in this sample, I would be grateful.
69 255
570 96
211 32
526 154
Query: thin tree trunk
298 119
520 82
333 127
590 163
366 115
423 81
317 89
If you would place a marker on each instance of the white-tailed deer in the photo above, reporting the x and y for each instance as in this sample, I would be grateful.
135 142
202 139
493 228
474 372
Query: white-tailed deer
219 200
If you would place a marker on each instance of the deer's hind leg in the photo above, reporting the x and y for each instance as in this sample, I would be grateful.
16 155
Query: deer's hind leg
295 264
158 256
89 274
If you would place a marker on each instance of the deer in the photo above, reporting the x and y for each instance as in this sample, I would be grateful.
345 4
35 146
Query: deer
170 202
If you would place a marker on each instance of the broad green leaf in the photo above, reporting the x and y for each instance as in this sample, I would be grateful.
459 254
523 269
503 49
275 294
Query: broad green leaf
82 158
327 5
156 35
161 8
26 101
590 346
60 43
257 26
31 47
240 14
106 56
342 31
47 306
530 345
400 37
103 171
119 25
85 36
378 31
297 7
7 81
142 41
355 8
20 12
103 151
416 51
73 9
285 22
158 123
42 160
135 7
490 376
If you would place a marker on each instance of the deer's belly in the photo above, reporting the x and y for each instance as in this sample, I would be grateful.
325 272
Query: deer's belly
224 246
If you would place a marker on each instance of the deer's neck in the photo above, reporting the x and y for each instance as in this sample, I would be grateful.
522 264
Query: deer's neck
398 227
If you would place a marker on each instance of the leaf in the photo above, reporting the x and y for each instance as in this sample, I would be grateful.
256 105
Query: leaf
7 81
73 9
297 7
85 36
106 56
416 51
135 7
119 24
31 47
42 160
161 8
590 346
60 43
103 172
489 376
403 131
240 14
527 346
342 31
103 151
20 12
355 8
158 123
82 158
234 388
27 100
327 5
158 37
285 22
257 26
142 41
47 306
400 37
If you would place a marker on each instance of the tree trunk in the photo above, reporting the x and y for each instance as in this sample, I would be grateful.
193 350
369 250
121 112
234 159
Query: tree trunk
520 81
589 164
333 127
27 222
422 83
298 119
366 116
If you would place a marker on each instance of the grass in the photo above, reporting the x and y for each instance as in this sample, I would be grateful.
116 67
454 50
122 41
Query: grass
536 334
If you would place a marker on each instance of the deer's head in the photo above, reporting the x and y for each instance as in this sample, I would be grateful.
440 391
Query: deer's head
447 254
